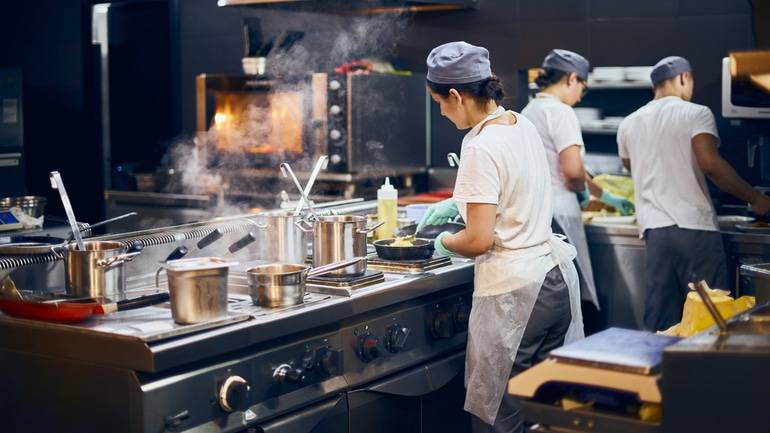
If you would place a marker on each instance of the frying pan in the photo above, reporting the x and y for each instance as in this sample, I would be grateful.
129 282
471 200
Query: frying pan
430 232
421 249
29 244
73 310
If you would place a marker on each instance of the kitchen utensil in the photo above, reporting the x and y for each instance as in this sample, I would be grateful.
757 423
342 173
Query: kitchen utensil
97 270
58 184
727 222
13 245
198 288
341 237
453 159
288 172
430 232
284 240
283 284
321 164
67 310
241 243
84 227
420 249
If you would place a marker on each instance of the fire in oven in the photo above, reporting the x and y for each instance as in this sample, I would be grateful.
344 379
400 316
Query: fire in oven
363 122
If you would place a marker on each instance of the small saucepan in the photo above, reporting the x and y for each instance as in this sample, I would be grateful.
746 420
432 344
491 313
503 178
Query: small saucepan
282 285
421 249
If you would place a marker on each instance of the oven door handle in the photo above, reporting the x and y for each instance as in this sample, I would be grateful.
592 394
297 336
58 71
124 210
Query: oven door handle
304 421
422 380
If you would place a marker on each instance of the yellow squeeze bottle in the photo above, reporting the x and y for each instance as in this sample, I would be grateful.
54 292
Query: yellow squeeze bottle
387 210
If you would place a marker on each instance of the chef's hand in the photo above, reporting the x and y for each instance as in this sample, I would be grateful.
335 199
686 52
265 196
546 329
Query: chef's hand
438 245
624 206
439 213
584 197
760 206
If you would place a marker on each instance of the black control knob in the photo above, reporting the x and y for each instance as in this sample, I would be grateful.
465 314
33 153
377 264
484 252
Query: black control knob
287 374
366 347
328 360
395 338
234 394
462 316
442 325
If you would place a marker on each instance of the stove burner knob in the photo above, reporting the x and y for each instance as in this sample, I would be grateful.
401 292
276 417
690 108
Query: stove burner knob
366 347
462 316
335 110
442 325
234 394
395 339
329 360
288 374
335 159
335 85
335 134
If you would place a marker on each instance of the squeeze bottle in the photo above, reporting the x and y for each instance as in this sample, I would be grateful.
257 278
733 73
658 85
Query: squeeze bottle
387 210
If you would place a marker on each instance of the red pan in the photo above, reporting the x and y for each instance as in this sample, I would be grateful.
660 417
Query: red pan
73 311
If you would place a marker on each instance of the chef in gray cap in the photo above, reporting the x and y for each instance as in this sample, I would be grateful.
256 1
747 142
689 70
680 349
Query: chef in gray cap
671 146
562 82
526 294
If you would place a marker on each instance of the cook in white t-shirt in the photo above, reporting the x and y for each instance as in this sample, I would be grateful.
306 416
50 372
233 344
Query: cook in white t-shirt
671 146
526 295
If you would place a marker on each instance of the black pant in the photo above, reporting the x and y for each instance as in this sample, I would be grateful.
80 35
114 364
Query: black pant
675 257
545 331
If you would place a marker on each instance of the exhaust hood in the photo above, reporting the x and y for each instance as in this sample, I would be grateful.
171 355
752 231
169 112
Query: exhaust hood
357 6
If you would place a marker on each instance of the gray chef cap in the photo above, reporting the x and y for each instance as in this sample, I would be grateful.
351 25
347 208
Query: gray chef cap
669 67
458 63
567 61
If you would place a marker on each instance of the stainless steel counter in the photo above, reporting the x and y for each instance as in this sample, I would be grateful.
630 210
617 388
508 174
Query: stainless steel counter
617 256
78 342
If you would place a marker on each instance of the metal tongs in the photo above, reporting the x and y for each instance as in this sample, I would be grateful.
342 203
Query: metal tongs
322 162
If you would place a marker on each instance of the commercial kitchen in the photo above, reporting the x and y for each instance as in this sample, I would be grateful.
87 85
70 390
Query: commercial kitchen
362 216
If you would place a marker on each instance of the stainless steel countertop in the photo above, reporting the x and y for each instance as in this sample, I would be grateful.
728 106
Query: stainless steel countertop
126 351
603 232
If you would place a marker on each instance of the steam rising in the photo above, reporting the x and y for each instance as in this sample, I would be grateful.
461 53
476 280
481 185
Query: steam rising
219 161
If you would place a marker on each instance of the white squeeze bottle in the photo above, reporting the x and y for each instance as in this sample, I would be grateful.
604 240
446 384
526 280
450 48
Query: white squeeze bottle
387 210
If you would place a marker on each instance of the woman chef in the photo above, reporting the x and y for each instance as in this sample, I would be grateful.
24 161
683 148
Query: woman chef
562 83
526 295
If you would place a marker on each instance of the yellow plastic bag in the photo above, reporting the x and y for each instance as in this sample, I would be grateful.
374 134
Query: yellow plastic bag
696 318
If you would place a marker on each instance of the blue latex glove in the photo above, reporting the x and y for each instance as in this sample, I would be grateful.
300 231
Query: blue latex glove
583 197
623 206
439 213
438 245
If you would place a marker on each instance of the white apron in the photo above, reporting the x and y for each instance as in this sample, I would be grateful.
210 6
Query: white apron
566 212
506 285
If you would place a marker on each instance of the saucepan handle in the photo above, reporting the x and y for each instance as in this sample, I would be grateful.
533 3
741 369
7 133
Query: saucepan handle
304 225
334 266
370 229
110 262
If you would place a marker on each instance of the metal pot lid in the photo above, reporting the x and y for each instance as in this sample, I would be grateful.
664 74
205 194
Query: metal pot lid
13 245
197 263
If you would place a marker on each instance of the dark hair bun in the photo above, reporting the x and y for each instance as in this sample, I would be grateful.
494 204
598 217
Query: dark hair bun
548 77
493 89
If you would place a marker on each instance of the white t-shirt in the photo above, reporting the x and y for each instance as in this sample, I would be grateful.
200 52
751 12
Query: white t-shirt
506 165
559 129
669 185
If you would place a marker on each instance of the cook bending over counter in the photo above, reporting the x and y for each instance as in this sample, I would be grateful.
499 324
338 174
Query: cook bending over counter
526 294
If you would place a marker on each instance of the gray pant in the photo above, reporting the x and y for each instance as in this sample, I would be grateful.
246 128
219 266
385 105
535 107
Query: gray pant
545 331
675 257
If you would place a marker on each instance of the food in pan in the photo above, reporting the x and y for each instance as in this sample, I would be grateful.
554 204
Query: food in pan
402 242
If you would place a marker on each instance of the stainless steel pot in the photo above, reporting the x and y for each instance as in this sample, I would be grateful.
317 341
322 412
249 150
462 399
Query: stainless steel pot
198 288
97 270
283 284
341 237
282 241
